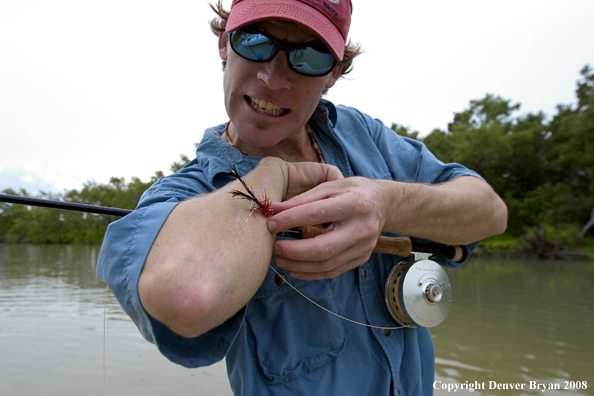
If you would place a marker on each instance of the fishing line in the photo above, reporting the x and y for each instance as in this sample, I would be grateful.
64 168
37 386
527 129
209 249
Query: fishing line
263 207
352 322
331 312
358 331
104 314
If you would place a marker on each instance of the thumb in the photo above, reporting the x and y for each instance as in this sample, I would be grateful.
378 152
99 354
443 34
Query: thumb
303 176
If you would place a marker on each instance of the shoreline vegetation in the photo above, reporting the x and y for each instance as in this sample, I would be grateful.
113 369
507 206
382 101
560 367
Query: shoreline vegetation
542 167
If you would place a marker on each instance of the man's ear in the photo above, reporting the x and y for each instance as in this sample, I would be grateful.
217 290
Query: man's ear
223 40
333 77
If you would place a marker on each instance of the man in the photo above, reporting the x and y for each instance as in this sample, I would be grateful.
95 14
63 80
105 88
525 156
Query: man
191 264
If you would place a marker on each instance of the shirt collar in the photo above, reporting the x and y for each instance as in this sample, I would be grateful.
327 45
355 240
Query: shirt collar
216 156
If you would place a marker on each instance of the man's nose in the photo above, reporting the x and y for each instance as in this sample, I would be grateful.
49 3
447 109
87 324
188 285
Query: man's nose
276 73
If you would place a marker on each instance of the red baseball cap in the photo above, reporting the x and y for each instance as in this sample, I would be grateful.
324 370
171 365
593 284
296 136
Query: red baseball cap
328 19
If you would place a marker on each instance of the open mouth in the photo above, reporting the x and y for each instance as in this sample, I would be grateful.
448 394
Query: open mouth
265 107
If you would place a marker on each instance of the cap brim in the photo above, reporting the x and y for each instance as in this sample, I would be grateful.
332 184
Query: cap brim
248 12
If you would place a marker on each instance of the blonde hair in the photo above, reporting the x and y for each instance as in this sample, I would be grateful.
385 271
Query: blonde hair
217 25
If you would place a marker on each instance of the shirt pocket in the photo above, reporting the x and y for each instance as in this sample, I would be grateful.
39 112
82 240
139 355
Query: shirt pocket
289 335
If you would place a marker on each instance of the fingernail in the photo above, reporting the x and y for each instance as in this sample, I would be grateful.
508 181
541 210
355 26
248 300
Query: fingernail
276 249
280 262
272 226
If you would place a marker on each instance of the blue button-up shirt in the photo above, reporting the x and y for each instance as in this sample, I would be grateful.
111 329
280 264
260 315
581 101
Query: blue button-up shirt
280 343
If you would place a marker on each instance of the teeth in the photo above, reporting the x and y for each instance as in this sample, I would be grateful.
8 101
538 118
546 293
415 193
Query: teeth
266 107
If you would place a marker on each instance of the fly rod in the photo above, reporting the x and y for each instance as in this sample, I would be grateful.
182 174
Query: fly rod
399 246
77 207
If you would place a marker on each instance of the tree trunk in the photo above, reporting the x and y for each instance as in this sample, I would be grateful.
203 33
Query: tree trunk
588 225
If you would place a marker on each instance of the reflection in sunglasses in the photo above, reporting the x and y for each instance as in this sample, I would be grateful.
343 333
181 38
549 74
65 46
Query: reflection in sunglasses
304 59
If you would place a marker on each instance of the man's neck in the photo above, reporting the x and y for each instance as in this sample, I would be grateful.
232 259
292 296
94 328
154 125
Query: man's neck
298 148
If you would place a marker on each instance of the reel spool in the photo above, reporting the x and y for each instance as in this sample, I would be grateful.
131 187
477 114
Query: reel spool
418 293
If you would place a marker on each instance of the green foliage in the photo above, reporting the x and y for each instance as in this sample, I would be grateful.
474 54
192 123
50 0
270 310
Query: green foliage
183 160
543 169
23 224
405 131
177 165
440 144
502 244
487 111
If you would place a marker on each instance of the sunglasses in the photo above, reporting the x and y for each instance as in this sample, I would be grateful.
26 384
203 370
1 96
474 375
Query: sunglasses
308 60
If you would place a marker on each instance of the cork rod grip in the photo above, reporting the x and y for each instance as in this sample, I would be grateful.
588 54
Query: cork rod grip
460 254
399 246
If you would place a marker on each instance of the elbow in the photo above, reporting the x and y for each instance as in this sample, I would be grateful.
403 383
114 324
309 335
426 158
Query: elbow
190 315
188 312
193 325
500 216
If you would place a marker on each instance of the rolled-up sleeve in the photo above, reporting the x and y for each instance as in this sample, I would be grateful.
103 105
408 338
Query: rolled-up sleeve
123 254
124 251
377 151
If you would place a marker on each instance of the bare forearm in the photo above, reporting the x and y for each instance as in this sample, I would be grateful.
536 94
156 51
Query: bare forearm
207 260
460 211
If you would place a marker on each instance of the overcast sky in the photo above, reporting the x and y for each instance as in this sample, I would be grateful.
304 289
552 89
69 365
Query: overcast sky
95 89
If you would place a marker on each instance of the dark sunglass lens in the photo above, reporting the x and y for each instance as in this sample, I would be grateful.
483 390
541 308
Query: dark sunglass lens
309 61
252 46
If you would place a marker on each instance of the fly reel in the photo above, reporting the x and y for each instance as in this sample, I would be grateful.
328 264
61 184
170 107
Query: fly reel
418 293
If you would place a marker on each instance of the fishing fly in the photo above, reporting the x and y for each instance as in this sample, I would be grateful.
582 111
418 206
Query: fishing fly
264 206
417 290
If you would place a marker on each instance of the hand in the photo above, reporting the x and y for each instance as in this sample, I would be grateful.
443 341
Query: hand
355 206
192 269
304 176
281 180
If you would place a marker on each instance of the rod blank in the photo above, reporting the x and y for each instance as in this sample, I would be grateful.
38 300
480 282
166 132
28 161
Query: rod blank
400 246
47 203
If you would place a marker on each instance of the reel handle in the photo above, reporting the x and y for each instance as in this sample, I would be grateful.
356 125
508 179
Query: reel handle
401 246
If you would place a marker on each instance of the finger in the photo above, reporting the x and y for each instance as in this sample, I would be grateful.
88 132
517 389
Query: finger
318 193
313 213
342 241
329 274
303 176
322 247
352 254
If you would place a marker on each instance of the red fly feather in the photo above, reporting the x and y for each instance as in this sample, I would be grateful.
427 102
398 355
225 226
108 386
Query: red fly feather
263 206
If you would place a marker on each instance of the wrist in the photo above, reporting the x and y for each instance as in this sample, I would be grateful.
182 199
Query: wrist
268 179
403 203
386 198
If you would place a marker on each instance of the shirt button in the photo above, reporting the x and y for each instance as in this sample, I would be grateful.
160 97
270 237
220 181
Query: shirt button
280 279
385 331
363 273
